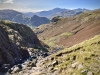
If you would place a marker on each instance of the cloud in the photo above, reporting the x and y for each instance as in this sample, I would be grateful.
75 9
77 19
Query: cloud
25 9
8 1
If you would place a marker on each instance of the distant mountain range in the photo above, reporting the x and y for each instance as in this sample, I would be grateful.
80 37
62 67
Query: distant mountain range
58 12
38 18
19 17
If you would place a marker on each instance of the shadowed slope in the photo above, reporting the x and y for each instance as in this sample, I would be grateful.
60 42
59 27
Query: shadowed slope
15 41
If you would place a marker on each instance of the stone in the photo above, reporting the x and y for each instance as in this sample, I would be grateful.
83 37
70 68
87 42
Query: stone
10 70
90 73
55 63
84 71
51 68
45 55
16 69
20 66
32 65
24 66
74 64
99 58
80 66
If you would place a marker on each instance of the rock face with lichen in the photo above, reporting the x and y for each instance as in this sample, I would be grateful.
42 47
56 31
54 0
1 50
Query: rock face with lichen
15 39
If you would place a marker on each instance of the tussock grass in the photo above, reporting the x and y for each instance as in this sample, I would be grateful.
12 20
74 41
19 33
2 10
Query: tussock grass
53 42
86 53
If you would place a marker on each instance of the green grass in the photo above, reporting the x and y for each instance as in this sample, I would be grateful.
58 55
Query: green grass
66 34
89 17
8 23
53 42
86 53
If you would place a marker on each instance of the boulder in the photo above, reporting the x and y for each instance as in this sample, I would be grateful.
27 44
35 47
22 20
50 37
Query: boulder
80 66
55 63
74 64
84 71
90 73
20 66
16 69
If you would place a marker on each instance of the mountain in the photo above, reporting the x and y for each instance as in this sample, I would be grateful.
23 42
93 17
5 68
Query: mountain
8 14
36 20
49 13
69 13
33 21
16 43
18 17
30 14
75 43
58 12
65 46
67 32
27 18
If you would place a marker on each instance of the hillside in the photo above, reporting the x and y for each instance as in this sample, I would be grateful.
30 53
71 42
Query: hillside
16 43
80 59
19 17
66 46
69 31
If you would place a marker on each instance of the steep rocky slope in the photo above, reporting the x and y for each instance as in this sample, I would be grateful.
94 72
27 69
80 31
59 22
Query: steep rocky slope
15 42
70 31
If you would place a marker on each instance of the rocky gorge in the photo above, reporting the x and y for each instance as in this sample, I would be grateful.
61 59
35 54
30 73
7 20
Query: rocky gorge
17 44
69 46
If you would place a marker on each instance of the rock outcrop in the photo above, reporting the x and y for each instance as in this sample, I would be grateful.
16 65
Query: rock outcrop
15 39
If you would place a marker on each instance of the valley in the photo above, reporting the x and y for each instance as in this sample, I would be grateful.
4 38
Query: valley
65 46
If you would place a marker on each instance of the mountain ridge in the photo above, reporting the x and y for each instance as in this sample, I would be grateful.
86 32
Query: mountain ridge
53 12
19 17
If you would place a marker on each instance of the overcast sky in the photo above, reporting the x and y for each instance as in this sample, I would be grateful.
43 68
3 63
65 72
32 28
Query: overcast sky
38 5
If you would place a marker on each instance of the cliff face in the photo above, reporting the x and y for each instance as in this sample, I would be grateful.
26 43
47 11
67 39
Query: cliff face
15 39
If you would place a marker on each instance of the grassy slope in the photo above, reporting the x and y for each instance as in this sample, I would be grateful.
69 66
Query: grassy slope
86 54
70 31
